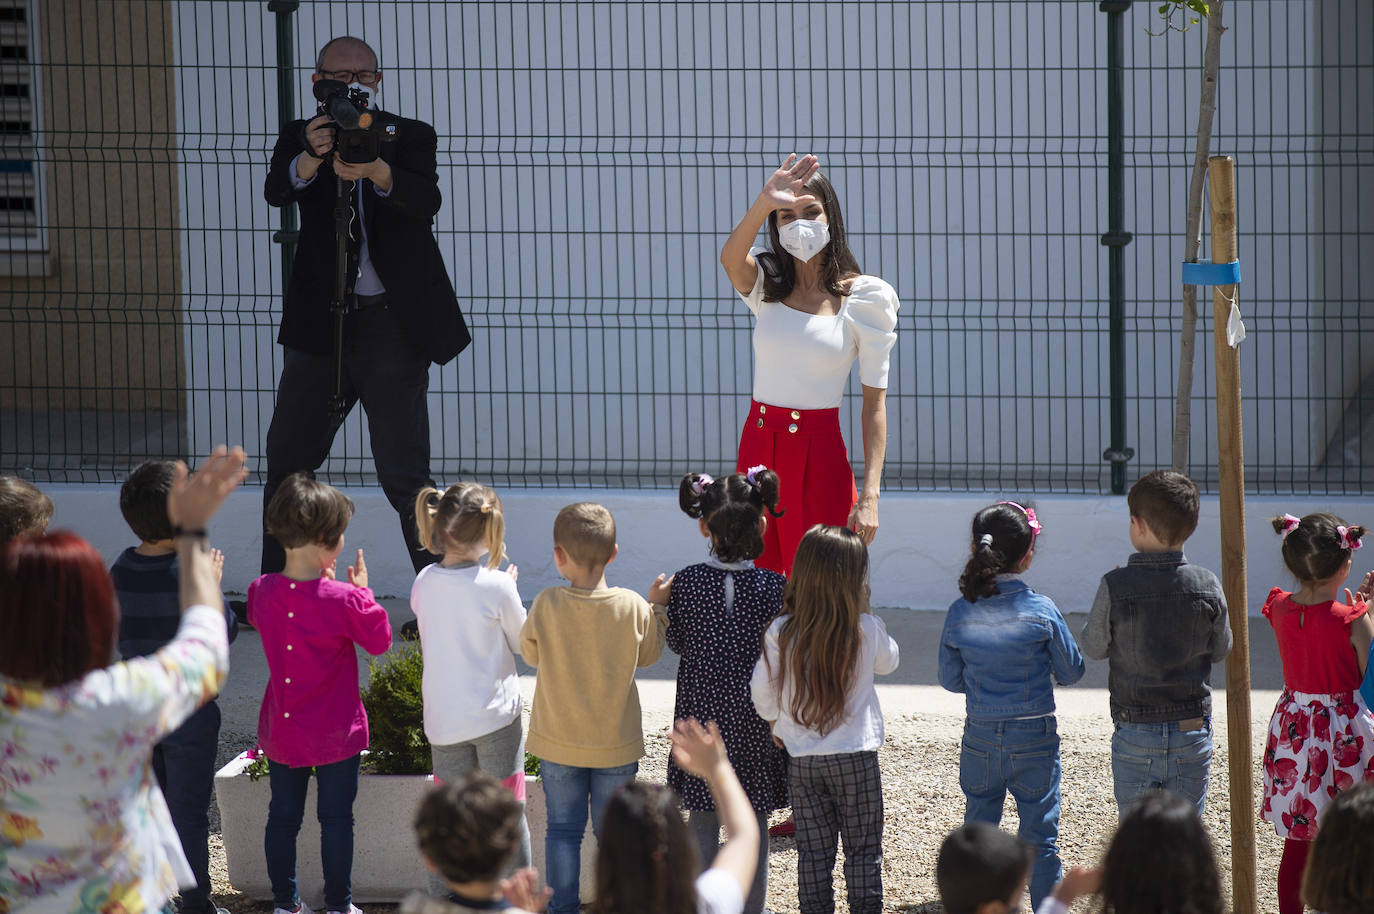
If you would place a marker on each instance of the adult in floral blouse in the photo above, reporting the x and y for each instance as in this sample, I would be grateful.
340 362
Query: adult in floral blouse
82 825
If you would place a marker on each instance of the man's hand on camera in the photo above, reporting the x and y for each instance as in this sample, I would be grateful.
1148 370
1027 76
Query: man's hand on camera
319 140
377 171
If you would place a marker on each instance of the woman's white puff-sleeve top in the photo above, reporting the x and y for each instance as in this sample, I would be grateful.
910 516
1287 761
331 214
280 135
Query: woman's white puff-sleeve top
802 361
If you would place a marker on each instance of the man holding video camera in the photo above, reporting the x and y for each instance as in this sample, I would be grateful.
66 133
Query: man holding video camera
401 312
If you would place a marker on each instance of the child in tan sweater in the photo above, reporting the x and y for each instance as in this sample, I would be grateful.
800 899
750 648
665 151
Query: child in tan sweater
586 640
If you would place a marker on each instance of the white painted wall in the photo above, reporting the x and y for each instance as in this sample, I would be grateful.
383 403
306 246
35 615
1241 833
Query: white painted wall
916 559
593 157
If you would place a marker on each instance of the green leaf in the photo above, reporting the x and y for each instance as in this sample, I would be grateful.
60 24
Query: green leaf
1164 9
1198 6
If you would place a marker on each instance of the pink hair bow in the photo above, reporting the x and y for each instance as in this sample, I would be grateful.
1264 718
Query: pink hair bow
701 483
1034 524
1290 523
1346 541
751 474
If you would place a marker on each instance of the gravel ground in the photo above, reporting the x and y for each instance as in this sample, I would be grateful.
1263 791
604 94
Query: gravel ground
921 789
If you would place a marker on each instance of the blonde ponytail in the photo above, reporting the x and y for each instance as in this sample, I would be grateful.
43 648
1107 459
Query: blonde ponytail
465 514
426 510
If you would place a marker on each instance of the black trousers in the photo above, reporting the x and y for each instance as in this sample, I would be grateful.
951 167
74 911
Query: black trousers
184 765
390 376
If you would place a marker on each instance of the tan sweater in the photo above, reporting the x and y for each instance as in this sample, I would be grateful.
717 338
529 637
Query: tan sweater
586 645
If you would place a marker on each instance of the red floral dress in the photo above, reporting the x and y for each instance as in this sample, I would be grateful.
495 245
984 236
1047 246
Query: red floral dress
1321 737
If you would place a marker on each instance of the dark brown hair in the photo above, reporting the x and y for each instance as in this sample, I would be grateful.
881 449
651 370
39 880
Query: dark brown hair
305 511
586 532
143 500
57 609
469 829
646 860
818 644
732 507
979 863
1167 501
838 264
1002 536
466 514
23 508
1340 870
1313 551
1161 859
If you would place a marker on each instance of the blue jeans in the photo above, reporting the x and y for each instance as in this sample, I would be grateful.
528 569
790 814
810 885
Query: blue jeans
336 785
1161 756
184 765
568 790
1020 756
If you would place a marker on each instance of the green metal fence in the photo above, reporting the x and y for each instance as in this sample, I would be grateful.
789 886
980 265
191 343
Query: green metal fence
593 157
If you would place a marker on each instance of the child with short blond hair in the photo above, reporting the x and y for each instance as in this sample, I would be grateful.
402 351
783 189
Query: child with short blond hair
586 640
23 508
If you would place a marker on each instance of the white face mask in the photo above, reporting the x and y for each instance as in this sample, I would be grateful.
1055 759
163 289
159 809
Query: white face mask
804 238
372 93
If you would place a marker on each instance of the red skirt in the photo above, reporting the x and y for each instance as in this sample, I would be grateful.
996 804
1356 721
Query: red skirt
805 448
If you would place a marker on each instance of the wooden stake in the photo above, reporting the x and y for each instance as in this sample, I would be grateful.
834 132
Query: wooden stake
1231 483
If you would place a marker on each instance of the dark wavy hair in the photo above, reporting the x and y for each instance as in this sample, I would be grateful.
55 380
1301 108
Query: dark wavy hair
731 508
1002 536
1340 871
838 264
1313 551
646 861
1161 859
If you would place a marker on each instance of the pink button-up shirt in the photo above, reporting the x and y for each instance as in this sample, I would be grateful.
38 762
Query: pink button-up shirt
312 713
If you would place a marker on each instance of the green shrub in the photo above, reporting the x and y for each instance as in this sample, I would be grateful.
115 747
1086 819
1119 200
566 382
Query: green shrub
531 765
396 713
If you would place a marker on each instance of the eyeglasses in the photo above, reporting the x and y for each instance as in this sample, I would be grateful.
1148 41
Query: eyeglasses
349 76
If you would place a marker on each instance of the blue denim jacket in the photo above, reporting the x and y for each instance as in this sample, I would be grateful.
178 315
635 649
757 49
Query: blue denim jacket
1161 623
1002 651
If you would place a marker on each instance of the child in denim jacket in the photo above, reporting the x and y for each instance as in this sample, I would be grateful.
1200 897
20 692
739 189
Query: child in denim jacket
1005 646
1161 624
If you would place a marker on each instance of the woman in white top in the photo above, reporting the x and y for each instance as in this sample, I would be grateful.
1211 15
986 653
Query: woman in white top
83 826
817 314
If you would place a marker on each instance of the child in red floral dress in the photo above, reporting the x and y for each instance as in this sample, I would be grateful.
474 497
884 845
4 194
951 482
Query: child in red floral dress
1321 737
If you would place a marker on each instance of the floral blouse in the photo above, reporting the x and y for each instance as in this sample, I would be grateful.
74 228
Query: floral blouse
83 827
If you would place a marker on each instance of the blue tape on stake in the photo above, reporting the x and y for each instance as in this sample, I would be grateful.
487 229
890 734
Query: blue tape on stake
1211 274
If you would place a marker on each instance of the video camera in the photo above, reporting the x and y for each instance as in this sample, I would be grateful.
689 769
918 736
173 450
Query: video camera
359 132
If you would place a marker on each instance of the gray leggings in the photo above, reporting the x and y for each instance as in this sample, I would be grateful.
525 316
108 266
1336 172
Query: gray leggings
704 825
500 754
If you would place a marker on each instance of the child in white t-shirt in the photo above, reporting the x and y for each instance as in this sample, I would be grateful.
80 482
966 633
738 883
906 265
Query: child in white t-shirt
469 616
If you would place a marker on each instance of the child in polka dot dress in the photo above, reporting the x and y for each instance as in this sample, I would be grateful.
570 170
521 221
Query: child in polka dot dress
718 611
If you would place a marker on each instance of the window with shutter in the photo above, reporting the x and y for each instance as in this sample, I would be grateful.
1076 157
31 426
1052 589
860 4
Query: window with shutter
22 228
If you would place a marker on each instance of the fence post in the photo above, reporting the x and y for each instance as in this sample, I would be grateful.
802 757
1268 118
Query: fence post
289 233
1115 240
1221 182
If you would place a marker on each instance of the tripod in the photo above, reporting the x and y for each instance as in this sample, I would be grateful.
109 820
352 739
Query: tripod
339 305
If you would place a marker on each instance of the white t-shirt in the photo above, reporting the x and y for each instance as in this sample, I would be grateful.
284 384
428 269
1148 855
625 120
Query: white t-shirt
469 618
862 727
719 893
802 361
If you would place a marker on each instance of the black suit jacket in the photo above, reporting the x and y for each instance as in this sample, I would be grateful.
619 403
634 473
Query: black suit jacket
400 243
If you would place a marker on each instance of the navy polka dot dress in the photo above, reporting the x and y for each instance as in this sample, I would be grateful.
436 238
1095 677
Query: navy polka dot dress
717 615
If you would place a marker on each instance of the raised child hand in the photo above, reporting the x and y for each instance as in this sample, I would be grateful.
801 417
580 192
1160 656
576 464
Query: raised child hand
1077 882
661 589
195 497
217 562
357 572
522 891
513 571
1366 587
698 750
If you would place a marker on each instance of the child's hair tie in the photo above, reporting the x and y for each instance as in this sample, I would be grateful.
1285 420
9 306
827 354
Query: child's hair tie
1346 541
752 473
485 509
1290 523
985 540
701 483
1034 524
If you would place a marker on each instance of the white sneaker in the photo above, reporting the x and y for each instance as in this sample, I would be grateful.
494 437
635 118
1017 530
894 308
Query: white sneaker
300 908
352 909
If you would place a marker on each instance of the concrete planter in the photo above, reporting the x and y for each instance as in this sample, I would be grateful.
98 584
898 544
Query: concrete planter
386 862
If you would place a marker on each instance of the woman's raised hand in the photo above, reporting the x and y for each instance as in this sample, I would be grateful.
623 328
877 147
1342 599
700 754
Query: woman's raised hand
786 187
195 497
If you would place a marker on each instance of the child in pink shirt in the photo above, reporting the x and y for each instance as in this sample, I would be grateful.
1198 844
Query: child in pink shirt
312 715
